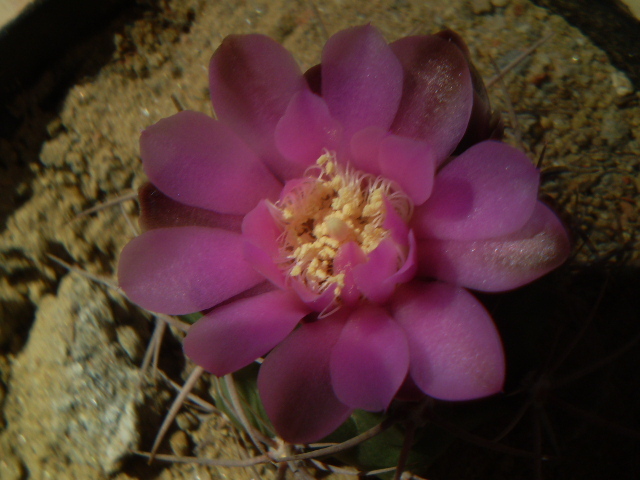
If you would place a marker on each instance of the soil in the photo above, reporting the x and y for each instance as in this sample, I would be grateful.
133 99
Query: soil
73 403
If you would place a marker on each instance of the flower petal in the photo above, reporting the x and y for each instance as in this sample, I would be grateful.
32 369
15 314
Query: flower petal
483 123
364 147
409 162
184 270
454 347
260 233
488 191
348 256
234 335
437 96
370 360
198 161
159 211
502 263
371 277
295 383
306 130
361 79
252 79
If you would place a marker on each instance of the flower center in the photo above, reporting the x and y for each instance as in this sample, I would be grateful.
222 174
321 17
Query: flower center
330 207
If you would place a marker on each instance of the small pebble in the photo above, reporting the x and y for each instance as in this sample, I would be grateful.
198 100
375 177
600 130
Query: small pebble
187 421
179 443
481 6
130 342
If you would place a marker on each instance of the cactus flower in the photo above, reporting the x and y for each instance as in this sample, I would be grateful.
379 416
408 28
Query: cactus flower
332 222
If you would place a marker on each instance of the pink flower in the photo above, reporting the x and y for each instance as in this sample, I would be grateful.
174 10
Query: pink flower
331 221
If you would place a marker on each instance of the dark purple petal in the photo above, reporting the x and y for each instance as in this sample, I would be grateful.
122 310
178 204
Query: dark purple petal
260 233
361 79
306 130
502 263
198 161
483 124
370 360
488 191
184 270
234 335
409 162
159 211
437 96
252 79
295 383
454 347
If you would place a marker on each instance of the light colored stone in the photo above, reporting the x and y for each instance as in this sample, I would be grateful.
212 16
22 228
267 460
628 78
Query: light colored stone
71 407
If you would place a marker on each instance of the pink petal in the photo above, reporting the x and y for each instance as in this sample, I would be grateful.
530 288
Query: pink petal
370 360
159 211
234 335
295 383
306 130
410 163
371 277
198 161
395 224
483 123
361 79
488 191
348 256
184 270
318 302
437 95
454 347
364 147
410 266
260 233
252 79
502 263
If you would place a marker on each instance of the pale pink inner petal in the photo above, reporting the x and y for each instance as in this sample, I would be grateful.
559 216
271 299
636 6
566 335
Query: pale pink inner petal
501 263
252 79
198 161
371 277
295 383
488 191
260 233
410 266
185 269
370 360
348 256
455 350
234 335
361 79
409 162
395 224
437 95
314 300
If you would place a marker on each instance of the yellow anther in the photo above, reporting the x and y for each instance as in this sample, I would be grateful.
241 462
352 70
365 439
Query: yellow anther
336 207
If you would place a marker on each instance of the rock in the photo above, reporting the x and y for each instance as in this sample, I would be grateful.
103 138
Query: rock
70 408
481 6
614 127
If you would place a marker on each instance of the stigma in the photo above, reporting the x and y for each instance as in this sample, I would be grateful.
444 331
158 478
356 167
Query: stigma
330 207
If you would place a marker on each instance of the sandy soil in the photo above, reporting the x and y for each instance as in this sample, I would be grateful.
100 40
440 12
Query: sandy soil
73 405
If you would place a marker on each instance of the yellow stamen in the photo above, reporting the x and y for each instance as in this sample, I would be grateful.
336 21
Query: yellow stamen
338 206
